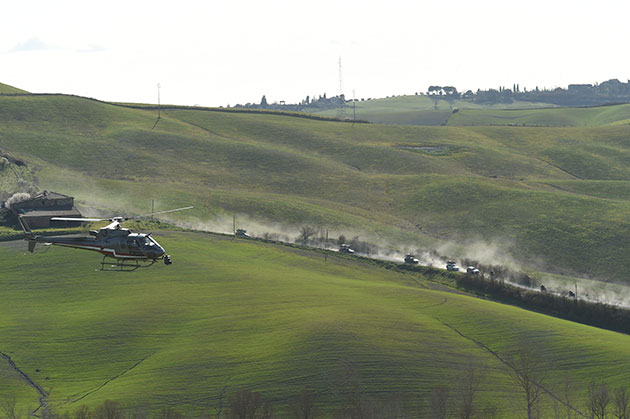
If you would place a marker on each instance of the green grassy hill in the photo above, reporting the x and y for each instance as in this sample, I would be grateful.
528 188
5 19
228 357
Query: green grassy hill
241 314
551 198
416 109
559 117
6 89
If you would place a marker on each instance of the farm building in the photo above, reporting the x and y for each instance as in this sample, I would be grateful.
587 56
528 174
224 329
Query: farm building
38 210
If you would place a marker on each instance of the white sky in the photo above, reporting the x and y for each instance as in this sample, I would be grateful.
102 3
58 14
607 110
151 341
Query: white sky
216 53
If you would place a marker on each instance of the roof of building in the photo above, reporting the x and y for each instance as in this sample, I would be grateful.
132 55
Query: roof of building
49 195
52 213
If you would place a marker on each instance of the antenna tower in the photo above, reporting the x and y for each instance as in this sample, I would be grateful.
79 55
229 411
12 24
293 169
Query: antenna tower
340 79
341 111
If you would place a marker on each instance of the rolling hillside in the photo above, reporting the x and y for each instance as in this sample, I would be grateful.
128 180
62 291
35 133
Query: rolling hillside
230 315
553 199
6 89
559 117
416 109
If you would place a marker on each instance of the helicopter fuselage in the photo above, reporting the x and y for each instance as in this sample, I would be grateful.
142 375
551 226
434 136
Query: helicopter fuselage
118 243
130 250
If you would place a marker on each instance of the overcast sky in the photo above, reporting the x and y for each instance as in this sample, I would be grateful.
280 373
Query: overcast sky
214 53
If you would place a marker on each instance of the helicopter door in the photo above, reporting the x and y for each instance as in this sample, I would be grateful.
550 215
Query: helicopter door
133 246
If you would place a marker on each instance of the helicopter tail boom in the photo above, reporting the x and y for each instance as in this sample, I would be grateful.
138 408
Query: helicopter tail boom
25 227
30 237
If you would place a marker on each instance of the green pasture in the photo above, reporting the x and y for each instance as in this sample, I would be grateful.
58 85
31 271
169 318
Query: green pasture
415 109
6 89
557 117
241 314
554 198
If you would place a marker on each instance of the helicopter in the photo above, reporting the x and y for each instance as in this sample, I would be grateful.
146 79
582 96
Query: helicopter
128 250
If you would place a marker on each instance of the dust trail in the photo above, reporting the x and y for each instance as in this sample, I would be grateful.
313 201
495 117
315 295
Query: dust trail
474 252
588 289
43 394
254 227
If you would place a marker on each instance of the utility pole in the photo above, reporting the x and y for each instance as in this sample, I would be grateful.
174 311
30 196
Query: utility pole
152 206
354 108
159 109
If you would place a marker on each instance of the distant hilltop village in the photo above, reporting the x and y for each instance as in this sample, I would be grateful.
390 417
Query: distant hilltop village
575 95
608 92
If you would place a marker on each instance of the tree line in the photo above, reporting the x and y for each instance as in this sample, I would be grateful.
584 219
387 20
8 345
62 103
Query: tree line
608 92
535 396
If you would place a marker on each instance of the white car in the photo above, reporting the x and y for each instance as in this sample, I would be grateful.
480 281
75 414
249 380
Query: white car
452 266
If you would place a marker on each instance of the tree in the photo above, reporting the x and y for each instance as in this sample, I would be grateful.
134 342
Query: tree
435 90
170 413
622 399
303 407
468 385
306 232
450 91
218 410
263 101
438 402
8 408
597 400
246 404
529 373
567 395
82 412
137 412
109 410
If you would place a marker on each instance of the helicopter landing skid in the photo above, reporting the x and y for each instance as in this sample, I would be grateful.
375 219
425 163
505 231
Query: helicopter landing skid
123 265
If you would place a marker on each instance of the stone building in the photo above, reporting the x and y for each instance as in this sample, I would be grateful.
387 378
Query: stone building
38 210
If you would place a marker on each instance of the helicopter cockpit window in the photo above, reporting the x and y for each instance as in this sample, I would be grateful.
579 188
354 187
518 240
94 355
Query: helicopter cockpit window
145 241
153 242
132 243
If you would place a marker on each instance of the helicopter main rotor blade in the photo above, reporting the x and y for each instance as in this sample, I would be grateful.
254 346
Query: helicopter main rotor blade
164 212
78 219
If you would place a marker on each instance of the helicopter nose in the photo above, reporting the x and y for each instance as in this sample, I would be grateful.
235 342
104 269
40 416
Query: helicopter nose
156 253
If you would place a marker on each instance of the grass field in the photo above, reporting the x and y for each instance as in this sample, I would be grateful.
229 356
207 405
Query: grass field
415 109
6 89
242 314
559 117
248 315
551 198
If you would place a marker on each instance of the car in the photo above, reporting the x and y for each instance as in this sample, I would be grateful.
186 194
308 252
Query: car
452 266
472 270
345 248
409 258
242 233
